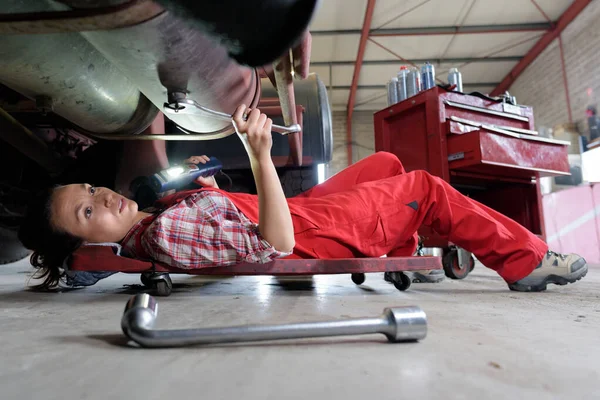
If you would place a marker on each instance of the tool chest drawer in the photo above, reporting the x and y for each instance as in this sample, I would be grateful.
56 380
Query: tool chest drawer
484 111
497 154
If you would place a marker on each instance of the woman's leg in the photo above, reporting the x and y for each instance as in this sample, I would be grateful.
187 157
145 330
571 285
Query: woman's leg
498 242
378 166
373 218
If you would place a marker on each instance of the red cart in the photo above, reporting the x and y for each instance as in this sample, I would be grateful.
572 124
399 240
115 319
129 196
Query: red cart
156 276
485 149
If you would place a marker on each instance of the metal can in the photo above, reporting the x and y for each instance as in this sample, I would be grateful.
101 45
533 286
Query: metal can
392 91
412 83
455 78
427 76
402 95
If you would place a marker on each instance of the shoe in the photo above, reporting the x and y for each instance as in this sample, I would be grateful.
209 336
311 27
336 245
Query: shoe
555 268
424 276
428 276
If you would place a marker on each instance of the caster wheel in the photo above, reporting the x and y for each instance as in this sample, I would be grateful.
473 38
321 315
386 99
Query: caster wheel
146 281
453 269
403 283
164 287
358 279
387 276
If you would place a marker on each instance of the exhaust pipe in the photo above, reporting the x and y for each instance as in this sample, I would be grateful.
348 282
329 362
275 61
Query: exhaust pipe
400 324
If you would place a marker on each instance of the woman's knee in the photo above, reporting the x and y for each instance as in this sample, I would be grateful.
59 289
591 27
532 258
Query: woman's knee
383 158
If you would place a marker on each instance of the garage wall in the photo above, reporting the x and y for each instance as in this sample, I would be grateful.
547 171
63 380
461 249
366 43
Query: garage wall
574 229
363 138
541 84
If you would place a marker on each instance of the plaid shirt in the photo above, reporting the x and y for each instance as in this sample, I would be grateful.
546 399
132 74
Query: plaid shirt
203 230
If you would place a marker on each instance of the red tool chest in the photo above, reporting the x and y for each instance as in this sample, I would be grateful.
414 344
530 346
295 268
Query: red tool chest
485 149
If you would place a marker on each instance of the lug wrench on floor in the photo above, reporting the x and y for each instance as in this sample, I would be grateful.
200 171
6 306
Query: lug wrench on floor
400 324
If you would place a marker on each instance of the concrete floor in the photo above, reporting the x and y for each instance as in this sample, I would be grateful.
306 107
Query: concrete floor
484 341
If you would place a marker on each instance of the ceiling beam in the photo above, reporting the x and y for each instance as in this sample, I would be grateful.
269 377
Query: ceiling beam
565 19
378 87
362 45
463 60
441 30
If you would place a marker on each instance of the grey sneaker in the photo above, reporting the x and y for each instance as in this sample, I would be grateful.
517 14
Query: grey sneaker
428 276
424 276
555 268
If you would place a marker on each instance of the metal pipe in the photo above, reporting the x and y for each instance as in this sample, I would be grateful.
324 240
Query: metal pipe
541 10
284 80
381 87
364 36
565 80
457 60
440 30
398 324
565 19
190 137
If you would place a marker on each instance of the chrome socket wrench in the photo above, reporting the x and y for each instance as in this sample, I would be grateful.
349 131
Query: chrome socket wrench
399 324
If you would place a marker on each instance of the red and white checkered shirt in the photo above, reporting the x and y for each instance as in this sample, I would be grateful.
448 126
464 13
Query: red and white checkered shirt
203 230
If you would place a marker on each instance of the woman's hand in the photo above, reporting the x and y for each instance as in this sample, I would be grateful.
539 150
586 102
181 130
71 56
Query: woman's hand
255 132
274 219
209 181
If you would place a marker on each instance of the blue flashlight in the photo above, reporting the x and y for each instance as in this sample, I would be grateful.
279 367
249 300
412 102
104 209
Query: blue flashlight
180 175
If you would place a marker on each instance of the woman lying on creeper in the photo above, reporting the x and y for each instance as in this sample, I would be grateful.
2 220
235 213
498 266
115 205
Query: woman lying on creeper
370 209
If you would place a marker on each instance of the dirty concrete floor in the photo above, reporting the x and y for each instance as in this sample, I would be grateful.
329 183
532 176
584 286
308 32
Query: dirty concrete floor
484 341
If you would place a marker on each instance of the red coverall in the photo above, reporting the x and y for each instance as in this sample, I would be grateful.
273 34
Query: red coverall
374 208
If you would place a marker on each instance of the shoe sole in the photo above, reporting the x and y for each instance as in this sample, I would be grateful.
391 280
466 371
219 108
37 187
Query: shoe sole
550 279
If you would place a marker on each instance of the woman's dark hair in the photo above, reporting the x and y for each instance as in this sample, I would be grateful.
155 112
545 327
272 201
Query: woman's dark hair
50 246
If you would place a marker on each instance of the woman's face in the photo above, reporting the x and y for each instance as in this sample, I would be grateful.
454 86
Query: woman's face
96 215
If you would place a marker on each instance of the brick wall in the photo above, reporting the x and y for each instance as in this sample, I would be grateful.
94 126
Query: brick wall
362 137
541 84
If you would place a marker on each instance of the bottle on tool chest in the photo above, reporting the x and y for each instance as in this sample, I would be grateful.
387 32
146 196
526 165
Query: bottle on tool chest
402 75
455 78
392 91
427 76
413 86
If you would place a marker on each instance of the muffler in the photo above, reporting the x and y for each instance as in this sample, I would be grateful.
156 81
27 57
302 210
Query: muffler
164 56
72 77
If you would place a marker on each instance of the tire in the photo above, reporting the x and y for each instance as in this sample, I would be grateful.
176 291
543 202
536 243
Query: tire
11 250
298 180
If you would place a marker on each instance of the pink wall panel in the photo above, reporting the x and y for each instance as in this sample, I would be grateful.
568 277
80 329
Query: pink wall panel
571 218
